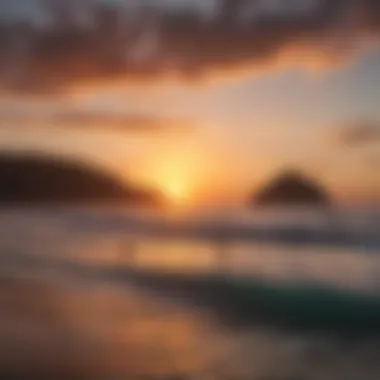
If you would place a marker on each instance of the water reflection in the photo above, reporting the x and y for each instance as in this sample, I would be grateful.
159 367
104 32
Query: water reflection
68 310
54 329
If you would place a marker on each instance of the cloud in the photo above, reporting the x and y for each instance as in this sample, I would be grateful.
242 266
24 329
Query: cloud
358 134
89 119
373 161
67 43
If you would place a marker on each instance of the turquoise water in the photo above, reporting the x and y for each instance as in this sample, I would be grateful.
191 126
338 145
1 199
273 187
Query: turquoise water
98 294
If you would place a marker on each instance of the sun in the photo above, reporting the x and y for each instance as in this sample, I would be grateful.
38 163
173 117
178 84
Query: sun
175 190
176 174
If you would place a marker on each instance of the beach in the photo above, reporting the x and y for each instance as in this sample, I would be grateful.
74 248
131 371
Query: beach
76 304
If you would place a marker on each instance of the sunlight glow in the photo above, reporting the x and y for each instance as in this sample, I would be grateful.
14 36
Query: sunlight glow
175 189
182 170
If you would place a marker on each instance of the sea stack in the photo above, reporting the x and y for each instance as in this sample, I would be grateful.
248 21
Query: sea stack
292 188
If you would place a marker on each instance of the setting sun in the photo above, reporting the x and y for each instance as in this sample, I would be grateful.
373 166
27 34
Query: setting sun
175 190
178 172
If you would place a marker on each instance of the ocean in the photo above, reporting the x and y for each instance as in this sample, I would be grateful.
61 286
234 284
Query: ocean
107 293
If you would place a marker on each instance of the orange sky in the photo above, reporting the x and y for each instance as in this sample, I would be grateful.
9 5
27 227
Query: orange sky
196 139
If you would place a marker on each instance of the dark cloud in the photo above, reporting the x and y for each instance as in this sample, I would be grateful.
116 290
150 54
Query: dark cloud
359 134
67 43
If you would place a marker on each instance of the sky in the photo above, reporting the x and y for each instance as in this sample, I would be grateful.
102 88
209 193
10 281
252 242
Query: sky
205 100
